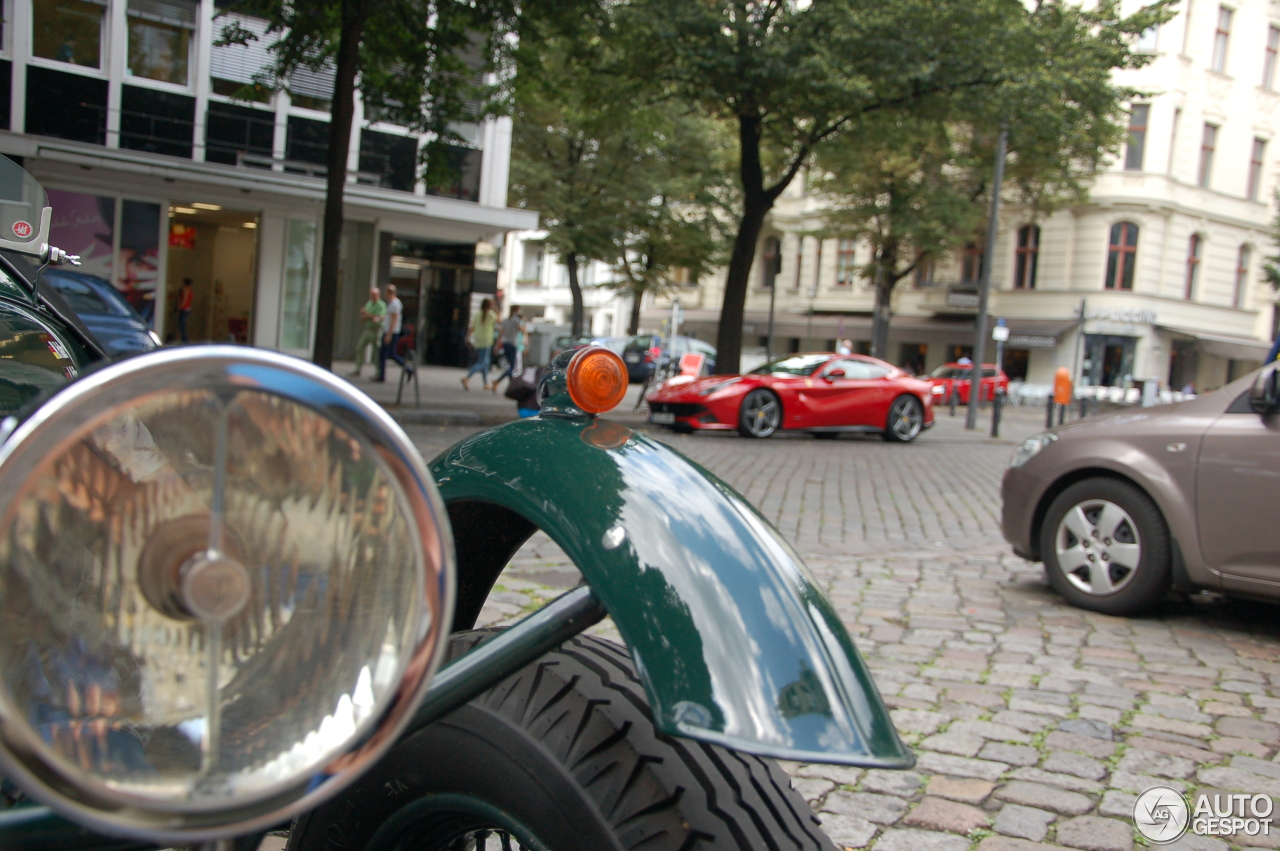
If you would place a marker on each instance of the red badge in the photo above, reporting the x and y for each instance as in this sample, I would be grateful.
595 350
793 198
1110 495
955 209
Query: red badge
21 229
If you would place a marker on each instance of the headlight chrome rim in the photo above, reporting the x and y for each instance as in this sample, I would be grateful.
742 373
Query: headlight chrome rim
61 422
1031 447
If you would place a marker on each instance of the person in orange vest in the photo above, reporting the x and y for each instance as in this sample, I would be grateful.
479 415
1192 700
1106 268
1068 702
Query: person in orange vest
184 308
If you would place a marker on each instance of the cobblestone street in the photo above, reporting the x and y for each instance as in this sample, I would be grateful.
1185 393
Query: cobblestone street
1035 724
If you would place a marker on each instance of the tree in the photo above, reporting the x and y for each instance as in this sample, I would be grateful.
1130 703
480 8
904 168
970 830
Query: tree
1271 265
795 76
415 63
616 174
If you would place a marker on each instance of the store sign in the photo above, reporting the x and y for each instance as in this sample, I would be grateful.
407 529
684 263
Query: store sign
1031 341
962 299
1121 314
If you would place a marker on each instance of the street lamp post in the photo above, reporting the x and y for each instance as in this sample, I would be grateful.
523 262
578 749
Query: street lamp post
984 288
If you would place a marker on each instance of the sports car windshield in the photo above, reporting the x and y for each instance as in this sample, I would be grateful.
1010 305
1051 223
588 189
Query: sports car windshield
794 365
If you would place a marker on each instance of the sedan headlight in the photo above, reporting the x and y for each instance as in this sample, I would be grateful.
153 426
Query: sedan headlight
224 580
718 386
937 390
1031 447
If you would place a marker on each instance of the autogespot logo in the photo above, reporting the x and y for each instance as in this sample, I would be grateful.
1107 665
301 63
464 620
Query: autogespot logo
1161 814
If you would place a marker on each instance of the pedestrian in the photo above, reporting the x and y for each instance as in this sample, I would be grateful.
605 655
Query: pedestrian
845 347
481 332
372 315
185 295
512 342
392 324
523 390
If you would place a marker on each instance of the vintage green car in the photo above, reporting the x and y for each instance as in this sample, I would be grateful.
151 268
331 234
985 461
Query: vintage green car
233 599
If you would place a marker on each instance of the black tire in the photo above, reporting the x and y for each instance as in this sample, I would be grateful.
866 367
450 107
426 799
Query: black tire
760 414
1122 570
566 750
905 421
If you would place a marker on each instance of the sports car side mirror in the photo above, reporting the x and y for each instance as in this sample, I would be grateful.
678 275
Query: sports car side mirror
834 374
1264 396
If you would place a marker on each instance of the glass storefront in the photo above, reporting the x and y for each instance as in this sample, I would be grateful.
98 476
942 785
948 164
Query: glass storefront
1108 360
300 261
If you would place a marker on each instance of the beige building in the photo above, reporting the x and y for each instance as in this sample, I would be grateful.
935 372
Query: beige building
1158 276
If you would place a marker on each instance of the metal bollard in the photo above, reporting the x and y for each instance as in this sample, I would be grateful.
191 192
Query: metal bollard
997 402
1062 414
1048 414
1084 407
951 399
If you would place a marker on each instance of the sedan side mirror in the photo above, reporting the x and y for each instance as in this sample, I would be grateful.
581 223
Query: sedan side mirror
1264 396
834 374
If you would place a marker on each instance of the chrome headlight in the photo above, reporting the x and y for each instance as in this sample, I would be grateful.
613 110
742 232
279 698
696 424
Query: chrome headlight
225 577
937 390
1031 447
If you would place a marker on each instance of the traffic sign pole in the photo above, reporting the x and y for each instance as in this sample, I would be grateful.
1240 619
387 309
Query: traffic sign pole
984 287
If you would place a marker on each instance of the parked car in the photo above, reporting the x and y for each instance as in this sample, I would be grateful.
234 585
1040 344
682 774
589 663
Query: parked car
645 352
120 329
821 393
1122 508
232 598
960 377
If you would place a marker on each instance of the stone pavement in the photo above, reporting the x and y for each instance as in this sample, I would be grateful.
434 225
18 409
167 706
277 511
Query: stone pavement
1035 724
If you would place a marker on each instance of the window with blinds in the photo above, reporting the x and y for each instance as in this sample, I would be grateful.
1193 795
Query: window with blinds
240 64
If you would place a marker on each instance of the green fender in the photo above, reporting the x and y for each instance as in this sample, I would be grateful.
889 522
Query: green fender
734 642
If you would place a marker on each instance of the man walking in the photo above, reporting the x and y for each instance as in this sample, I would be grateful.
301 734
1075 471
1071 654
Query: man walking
391 333
512 340
372 314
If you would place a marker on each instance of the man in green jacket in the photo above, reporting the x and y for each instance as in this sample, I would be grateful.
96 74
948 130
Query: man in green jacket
372 315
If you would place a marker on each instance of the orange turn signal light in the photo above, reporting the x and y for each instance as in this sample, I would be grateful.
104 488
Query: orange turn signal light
597 379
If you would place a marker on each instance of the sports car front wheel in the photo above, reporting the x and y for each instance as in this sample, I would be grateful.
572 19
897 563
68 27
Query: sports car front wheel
906 420
760 414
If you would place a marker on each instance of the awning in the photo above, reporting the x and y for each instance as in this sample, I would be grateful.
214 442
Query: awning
1225 345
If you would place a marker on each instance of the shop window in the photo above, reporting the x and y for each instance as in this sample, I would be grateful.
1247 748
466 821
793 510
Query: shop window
456 173
1243 259
1108 360
845 265
233 131
312 88
1221 36
68 31
66 106
1256 161
862 347
156 122
1015 363
160 39
771 262
1137 136
1026 256
308 141
971 264
911 357
391 160
956 351
1194 246
295 314
1122 256
1208 143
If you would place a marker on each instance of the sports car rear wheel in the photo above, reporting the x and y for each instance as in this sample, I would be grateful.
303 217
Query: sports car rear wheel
760 414
906 420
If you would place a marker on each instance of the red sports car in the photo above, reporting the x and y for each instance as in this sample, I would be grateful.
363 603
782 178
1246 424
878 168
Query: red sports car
959 376
820 393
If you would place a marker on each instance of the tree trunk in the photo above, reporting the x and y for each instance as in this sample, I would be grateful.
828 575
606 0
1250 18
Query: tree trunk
354 15
880 317
756 204
575 290
637 296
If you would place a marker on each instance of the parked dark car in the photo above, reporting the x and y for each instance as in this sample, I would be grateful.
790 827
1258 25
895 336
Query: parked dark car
1122 508
115 323
643 353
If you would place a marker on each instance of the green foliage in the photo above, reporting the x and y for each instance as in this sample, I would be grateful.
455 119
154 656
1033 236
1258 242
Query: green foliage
796 77
616 173
1271 265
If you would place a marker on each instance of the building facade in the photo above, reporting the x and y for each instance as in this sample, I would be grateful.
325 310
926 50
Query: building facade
534 278
1157 276
124 110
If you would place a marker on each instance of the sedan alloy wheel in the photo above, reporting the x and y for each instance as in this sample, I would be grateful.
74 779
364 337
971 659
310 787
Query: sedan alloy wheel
1098 547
